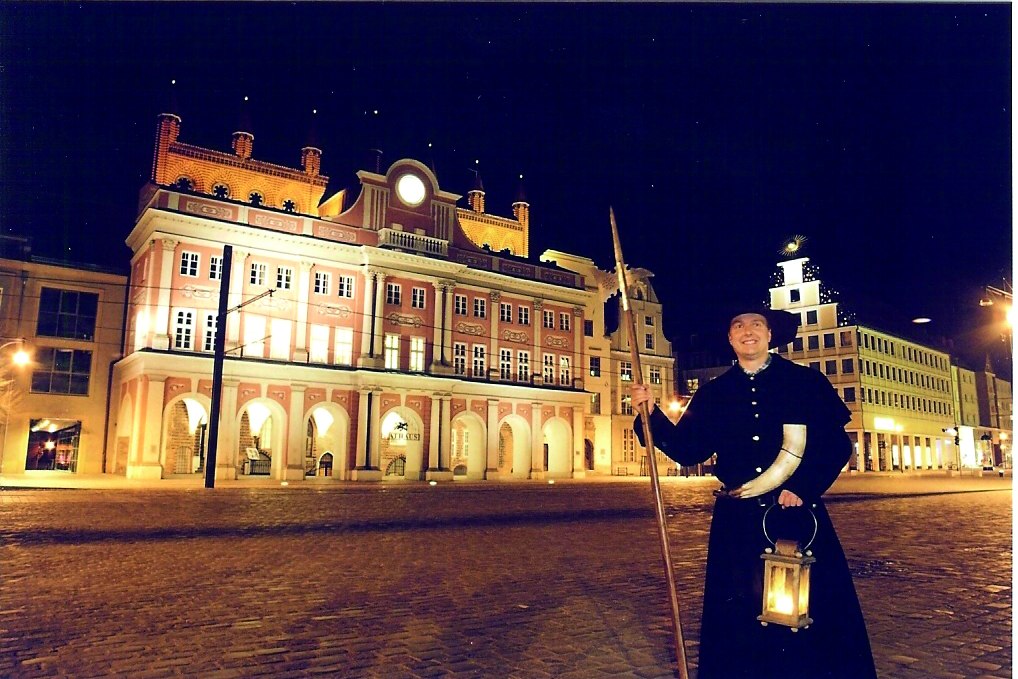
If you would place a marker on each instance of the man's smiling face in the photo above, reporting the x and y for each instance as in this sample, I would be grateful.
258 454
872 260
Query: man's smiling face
749 336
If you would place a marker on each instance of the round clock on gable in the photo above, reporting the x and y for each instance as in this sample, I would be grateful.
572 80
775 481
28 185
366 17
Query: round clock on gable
410 190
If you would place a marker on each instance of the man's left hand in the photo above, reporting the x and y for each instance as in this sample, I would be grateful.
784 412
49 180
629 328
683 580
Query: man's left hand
789 499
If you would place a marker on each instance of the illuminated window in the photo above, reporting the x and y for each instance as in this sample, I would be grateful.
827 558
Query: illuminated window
505 312
221 191
284 278
417 298
524 315
459 358
564 321
628 444
254 336
549 319
480 307
626 371
505 364
565 373
279 342
417 354
655 375
595 403
319 350
692 385
846 338
460 304
189 264
343 354
595 366
392 352
626 406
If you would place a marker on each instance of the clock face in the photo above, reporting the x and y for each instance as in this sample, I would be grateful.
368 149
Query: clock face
410 190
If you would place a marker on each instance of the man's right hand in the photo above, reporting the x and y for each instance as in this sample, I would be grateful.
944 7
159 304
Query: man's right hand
641 395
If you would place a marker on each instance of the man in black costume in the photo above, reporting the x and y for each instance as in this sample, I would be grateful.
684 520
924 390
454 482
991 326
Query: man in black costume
740 417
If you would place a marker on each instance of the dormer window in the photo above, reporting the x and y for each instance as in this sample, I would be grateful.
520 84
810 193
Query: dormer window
289 205
256 198
221 191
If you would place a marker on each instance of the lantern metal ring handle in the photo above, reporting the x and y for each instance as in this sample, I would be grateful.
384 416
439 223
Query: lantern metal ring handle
812 515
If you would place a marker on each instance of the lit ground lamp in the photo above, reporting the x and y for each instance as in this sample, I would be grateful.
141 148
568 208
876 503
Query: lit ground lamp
786 581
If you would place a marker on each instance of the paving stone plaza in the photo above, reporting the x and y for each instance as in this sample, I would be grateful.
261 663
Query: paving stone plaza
466 580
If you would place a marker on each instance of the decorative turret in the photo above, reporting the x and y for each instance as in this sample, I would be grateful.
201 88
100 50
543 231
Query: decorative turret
167 131
311 154
243 138
521 208
475 196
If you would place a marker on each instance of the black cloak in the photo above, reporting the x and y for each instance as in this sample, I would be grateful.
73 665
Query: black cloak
741 418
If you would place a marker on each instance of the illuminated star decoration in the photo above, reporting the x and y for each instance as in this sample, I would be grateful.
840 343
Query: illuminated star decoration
792 246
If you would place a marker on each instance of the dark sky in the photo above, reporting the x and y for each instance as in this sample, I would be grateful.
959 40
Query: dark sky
881 132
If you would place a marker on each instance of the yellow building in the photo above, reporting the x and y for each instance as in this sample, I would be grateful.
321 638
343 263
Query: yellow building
899 391
69 319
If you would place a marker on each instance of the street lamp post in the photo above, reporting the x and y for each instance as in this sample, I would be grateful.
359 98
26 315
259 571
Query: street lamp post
19 358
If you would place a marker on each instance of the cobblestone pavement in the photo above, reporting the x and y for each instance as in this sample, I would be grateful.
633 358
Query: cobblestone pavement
467 580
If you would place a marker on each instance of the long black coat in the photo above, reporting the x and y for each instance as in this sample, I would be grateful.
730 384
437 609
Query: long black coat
740 418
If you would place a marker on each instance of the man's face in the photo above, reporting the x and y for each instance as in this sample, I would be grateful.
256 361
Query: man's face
749 336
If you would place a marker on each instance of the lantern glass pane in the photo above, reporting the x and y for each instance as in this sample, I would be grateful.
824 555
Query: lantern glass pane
804 590
779 592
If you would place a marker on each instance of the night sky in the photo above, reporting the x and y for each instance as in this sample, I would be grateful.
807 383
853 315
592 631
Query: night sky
880 132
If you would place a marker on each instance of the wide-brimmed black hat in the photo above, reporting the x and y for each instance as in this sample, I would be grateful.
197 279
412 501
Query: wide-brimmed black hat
783 324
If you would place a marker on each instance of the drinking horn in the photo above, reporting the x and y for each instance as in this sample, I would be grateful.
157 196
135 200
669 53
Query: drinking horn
789 456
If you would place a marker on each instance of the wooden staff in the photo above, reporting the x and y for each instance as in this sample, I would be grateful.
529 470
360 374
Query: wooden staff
620 268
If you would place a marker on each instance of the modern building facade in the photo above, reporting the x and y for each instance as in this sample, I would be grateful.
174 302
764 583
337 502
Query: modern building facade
69 319
367 339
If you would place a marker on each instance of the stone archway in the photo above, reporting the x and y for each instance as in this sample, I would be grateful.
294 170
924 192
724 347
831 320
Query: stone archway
261 440
328 432
558 446
513 456
402 436
468 446
185 434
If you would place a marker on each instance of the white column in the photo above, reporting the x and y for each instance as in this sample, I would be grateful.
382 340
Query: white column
450 290
495 363
226 452
364 358
536 442
148 464
167 265
492 444
444 454
433 437
296 433
237 273
379 335
577 372
300 352
375 440
362 429
578 470
537 362
438 333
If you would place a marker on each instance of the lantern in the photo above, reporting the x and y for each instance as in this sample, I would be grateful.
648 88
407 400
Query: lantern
786 580
786 585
